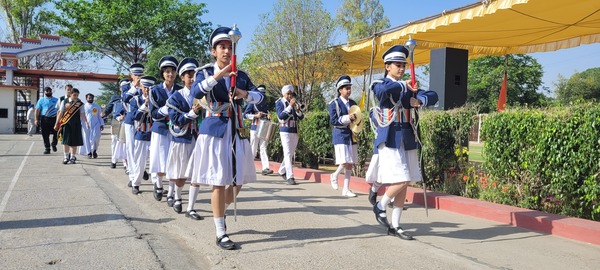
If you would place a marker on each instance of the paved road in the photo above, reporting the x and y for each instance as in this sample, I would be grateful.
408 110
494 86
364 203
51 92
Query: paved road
83 216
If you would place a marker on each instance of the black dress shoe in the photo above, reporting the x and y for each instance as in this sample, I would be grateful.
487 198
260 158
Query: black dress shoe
158 193
381 220
94 155
170 201
372 197
267 171
53 148
65 161
178 206
129 184
89 155
226 245
291 181
193 215
113 165
47 151
283 176
399 233
135 190
146 176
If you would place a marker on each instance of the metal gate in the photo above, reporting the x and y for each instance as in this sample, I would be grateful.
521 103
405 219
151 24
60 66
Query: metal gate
22 101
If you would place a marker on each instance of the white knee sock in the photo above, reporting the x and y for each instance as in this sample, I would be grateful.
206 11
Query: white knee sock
177 193
159 180
347 175
396 213
171 185
220 226
154 177
193 195
339 169
375 187
384 201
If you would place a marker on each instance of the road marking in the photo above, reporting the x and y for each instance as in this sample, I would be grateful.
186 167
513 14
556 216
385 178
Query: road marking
13 182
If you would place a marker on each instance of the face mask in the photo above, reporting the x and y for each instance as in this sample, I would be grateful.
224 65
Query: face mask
48 94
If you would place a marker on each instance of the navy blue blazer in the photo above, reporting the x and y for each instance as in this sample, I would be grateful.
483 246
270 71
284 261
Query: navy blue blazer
387 90
142 132
341 133
160 94
288 120
216 125
114 107
252 109
126 97
179 120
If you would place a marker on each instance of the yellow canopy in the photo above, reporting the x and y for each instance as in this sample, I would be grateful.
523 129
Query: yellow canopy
495 27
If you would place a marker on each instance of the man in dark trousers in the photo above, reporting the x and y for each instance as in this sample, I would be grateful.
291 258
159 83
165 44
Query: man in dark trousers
45 117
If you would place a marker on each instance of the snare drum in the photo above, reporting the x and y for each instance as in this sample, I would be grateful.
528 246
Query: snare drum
265 129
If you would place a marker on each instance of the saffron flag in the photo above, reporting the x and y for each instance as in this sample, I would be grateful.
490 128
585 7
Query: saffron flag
502 98
361 104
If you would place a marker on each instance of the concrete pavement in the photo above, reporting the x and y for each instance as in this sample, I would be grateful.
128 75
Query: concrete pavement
83 216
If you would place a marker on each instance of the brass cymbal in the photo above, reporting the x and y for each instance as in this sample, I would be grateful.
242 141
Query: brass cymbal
358 123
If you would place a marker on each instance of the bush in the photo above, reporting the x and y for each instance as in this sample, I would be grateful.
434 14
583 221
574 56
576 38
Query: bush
442 133
549 156
315 139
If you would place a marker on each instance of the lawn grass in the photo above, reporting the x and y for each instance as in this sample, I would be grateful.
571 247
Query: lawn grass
475 152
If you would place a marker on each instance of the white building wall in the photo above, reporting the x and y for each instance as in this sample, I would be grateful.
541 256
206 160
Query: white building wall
7 101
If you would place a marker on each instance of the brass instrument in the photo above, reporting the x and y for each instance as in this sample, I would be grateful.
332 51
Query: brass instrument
299 106
358 123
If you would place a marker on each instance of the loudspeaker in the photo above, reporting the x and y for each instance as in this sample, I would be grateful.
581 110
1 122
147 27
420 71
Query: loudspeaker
448 76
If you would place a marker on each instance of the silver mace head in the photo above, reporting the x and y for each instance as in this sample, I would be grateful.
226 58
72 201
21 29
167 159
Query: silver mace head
410 44
235 34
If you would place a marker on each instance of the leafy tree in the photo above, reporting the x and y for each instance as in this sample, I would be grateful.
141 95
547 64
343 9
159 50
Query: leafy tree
362 18
130 31
292 45
582 85
29 19
523 81
108 90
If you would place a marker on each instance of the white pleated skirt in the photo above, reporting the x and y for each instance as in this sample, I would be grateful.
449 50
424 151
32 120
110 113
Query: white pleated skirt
178 159
211 161
346 153
159 152
372 171
397 165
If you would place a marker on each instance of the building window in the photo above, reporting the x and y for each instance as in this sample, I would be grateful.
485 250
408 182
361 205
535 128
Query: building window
3 113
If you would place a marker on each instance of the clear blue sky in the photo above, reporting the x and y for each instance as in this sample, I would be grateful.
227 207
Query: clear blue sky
246 13
246 16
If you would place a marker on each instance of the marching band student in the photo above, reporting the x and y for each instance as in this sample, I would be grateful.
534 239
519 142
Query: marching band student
212 157
141 141
396 142
184 128
116 108
288 116
161 137
129 91
344 140
255 112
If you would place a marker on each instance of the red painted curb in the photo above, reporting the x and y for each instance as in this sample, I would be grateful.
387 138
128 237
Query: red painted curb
573 228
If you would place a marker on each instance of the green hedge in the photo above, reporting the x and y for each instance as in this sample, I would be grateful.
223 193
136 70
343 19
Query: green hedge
442 133
550 157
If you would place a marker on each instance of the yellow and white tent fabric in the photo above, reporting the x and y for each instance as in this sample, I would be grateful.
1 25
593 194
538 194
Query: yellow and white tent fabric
489 27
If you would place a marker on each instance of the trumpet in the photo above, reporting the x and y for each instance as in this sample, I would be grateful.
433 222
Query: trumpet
299 106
